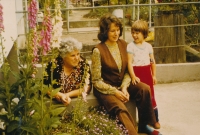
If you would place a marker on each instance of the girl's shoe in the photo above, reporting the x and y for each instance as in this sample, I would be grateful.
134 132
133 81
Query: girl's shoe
151 131
157 125
155 132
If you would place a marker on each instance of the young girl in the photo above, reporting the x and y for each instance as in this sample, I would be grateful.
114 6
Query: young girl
141 62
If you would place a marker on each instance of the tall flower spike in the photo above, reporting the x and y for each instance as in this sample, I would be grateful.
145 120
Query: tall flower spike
32 18
1 19
57 25
85 81
32 14
35 47
46 32
1 30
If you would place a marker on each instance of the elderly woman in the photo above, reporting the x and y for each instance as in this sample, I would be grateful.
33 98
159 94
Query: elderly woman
111 80
72 72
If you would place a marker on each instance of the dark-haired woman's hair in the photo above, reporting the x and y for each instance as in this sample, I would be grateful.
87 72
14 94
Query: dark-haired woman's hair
104 26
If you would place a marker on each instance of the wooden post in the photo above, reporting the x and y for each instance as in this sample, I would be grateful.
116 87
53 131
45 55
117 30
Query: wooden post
169 38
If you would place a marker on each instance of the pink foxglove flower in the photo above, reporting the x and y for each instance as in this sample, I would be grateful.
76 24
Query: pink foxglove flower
33 75
32 18
57 25
1 19
46 32
32 14
35 47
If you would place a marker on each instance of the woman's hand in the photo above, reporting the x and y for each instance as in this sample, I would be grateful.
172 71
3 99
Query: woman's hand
122 96
135 80
124 90
65 99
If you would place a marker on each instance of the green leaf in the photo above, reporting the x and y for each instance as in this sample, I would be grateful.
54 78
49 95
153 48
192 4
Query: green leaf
4 103
30 129
15 74
56 106
58 111
45 89
15 87
53 122
63 134
2 85
2 96
12 126
36 116
54 125
3 117
53 93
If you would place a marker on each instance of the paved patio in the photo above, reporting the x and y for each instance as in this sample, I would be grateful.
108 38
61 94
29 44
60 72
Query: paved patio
179 108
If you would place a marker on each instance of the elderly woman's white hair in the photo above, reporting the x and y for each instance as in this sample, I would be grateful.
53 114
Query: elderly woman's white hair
68 45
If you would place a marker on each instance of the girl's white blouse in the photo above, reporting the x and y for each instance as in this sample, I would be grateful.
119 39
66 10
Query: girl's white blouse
141 53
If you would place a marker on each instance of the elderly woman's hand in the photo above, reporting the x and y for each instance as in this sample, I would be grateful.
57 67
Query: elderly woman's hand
65 99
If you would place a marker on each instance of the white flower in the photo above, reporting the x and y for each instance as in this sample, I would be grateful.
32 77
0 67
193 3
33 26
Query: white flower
3 111
32 112
87 80
2 126
84 118
57 25
84 94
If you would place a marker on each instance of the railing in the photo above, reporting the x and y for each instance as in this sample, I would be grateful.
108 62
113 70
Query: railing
148 12
124 7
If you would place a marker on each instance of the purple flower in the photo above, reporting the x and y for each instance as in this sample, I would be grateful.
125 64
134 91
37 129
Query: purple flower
32 14
35 47
46 32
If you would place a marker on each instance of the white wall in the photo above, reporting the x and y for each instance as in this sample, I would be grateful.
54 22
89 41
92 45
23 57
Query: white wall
19 7
10 24
178 72
20 24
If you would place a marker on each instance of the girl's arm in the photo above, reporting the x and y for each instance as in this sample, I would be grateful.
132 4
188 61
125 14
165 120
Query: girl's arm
153 68
134 78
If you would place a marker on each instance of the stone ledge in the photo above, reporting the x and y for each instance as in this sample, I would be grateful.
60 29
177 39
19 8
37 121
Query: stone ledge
178 72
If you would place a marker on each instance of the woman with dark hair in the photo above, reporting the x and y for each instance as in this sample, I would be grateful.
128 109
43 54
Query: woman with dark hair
111 80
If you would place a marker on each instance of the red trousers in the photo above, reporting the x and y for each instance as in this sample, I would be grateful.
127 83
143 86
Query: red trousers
145 75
